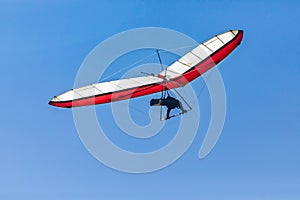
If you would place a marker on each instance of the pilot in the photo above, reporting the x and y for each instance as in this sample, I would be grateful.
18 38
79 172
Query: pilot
170 102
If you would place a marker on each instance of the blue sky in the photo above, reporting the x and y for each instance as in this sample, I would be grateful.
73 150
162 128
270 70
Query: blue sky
257 156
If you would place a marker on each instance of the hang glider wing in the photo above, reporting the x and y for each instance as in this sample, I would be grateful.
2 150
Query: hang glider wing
187 68
108 91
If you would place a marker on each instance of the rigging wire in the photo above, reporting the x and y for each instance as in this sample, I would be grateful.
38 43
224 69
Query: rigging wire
190 108
139 61
162 68
162 86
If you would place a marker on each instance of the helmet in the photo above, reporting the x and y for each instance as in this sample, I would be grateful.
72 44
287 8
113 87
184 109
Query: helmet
154 102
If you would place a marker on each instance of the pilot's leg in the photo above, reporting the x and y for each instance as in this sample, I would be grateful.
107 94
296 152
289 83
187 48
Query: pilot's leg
168 113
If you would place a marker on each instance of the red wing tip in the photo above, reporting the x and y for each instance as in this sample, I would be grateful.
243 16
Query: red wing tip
51 103
57 104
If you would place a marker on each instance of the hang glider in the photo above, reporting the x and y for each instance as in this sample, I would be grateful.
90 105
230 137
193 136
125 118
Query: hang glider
186 69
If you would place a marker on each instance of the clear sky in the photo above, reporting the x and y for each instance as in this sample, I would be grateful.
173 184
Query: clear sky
44 43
